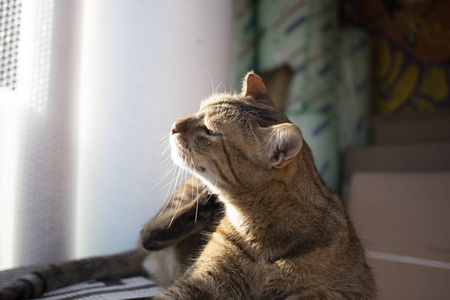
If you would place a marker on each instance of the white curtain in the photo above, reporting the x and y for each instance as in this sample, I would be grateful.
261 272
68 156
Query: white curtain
98 85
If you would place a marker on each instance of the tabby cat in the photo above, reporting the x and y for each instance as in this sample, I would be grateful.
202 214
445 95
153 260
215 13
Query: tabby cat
255 222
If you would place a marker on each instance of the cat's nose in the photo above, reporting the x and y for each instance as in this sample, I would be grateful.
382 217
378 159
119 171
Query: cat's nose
175 128
179 126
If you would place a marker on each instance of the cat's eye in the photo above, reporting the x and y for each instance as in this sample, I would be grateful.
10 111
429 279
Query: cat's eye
210 132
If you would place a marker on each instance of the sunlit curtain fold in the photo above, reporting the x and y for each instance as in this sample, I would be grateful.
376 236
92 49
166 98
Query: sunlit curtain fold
83 116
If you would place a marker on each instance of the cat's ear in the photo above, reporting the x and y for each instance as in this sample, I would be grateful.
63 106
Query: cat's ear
253 86
282 144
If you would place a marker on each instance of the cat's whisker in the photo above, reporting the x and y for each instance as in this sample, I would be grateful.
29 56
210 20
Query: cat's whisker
166 146
164 137
177 183
161 178
210 79
200 94
165 141
196 208
172 186
166 149
169 184
215 183
182 198
192 165
220 83
164 208
168 160
170 191
192 191
169 166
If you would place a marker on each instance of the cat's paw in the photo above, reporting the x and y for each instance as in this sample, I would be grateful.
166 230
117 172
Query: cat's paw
170 228
10 293
27 287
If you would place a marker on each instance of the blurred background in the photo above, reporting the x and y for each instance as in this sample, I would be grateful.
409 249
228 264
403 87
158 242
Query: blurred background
89 90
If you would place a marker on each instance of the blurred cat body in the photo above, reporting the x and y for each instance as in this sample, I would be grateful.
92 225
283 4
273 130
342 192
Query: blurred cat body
266 225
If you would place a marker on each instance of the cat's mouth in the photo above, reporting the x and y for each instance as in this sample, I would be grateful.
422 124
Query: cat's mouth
181 155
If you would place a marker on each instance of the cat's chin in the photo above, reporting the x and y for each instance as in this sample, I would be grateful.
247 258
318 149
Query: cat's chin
178 157
197 171
180 161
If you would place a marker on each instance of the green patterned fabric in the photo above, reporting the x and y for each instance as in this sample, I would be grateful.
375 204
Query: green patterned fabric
302 34
353 101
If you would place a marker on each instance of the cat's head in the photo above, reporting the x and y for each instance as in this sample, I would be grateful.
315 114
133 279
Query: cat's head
236 141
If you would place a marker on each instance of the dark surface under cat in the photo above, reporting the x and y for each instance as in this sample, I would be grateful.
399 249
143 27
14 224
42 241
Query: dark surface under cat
132 288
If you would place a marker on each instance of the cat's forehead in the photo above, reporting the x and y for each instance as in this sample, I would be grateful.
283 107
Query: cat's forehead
240 108
217 100
222 106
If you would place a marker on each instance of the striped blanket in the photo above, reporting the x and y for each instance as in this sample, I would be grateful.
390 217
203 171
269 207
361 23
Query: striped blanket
111 289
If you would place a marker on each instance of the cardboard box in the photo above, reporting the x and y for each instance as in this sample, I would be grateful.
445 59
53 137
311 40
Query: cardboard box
403 220
411 128
400 281
389 158
413 157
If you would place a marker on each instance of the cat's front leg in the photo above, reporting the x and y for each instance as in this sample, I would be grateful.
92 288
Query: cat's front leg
204 285
196 209
188 292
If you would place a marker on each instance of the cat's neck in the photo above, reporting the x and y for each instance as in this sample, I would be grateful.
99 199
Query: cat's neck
287 203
